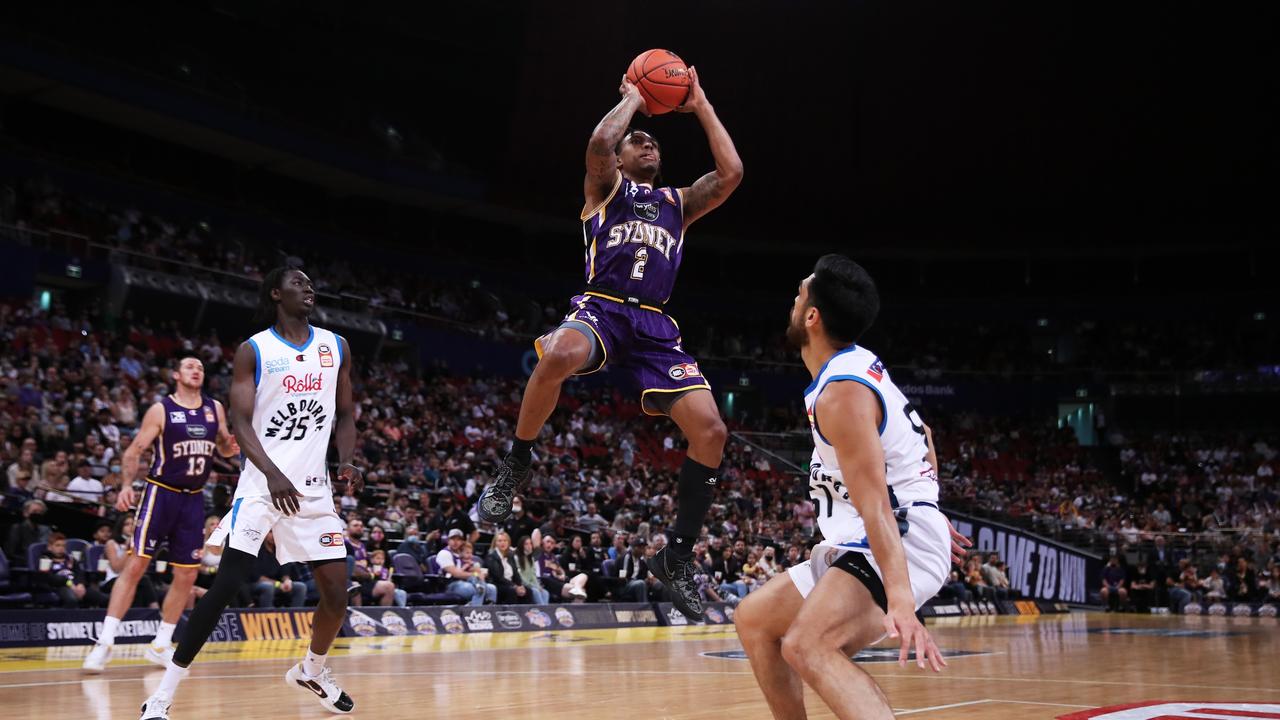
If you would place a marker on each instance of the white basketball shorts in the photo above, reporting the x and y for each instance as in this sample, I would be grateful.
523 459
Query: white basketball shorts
927 546
315 532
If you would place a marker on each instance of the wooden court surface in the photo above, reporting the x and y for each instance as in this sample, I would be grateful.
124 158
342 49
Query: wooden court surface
1023 667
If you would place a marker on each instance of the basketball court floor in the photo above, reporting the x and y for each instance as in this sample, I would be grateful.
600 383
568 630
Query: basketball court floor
1000 667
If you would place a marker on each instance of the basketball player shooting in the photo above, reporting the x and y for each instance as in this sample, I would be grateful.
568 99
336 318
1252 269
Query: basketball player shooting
887 549
291 390
183 431
634 236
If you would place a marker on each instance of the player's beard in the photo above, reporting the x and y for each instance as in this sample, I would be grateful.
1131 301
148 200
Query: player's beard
797 338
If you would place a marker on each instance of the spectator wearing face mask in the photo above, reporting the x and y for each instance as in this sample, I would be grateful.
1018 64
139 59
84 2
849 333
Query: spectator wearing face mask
30 530
520 523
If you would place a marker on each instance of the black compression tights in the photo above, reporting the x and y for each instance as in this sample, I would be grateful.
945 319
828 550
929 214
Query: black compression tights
234 568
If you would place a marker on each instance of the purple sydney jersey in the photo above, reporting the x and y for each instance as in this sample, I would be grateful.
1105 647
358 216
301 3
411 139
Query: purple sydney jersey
634 240
183 453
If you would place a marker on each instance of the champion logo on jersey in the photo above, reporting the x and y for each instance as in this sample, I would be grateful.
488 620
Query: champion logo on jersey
326 356
876 370
301 358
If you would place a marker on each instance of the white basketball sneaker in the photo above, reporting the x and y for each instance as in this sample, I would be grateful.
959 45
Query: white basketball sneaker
159 656
156 708
323 687
97 659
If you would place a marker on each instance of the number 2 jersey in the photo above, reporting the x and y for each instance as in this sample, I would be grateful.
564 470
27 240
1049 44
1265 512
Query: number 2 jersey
293 410
907 470
634 240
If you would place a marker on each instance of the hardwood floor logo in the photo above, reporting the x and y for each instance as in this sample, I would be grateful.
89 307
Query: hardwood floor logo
1183 710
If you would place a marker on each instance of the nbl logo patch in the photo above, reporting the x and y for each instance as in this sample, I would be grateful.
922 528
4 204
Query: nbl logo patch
684 370
326 356
876 370
646 210
331 539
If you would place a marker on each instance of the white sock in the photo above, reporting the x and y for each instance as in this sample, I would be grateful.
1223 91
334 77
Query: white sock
108 634
313 664
173 675
164 636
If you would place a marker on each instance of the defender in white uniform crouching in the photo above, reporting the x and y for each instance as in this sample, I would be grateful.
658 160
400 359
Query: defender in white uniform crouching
874 484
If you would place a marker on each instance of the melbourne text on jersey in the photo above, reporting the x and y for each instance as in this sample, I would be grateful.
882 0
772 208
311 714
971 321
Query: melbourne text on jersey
296 419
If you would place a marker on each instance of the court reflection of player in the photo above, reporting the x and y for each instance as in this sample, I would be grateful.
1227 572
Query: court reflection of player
634 231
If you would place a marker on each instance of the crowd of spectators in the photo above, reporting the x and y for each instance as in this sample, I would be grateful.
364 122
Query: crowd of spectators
72 393
1210 352
602 488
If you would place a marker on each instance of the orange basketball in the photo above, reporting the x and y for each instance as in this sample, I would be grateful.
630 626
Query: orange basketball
663 79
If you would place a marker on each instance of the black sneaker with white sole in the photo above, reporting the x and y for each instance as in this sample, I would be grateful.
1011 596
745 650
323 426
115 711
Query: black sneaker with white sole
677 576
495 502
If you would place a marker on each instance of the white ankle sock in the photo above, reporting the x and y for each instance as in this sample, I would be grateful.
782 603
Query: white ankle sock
173 674
164 635
313 664
108 634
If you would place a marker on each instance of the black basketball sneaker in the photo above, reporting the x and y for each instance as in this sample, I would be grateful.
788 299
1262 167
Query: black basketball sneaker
495 502
677 575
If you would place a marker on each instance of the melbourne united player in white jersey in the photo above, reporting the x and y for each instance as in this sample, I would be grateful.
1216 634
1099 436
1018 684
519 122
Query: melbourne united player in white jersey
291 391
886 547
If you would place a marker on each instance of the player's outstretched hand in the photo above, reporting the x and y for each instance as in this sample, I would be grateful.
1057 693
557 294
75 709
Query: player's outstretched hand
125 499
283 495
902 623
629 91
958 544
351 476
696 99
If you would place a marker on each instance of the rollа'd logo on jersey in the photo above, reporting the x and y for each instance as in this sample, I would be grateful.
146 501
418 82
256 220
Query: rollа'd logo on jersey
309 383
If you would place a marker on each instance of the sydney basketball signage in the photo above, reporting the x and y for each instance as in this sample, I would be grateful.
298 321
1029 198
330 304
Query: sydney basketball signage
1038 567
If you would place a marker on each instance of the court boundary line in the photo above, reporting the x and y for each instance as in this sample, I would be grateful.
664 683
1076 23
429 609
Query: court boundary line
991 701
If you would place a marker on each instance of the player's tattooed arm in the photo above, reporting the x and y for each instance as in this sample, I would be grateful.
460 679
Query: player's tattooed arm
712 189
602 162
